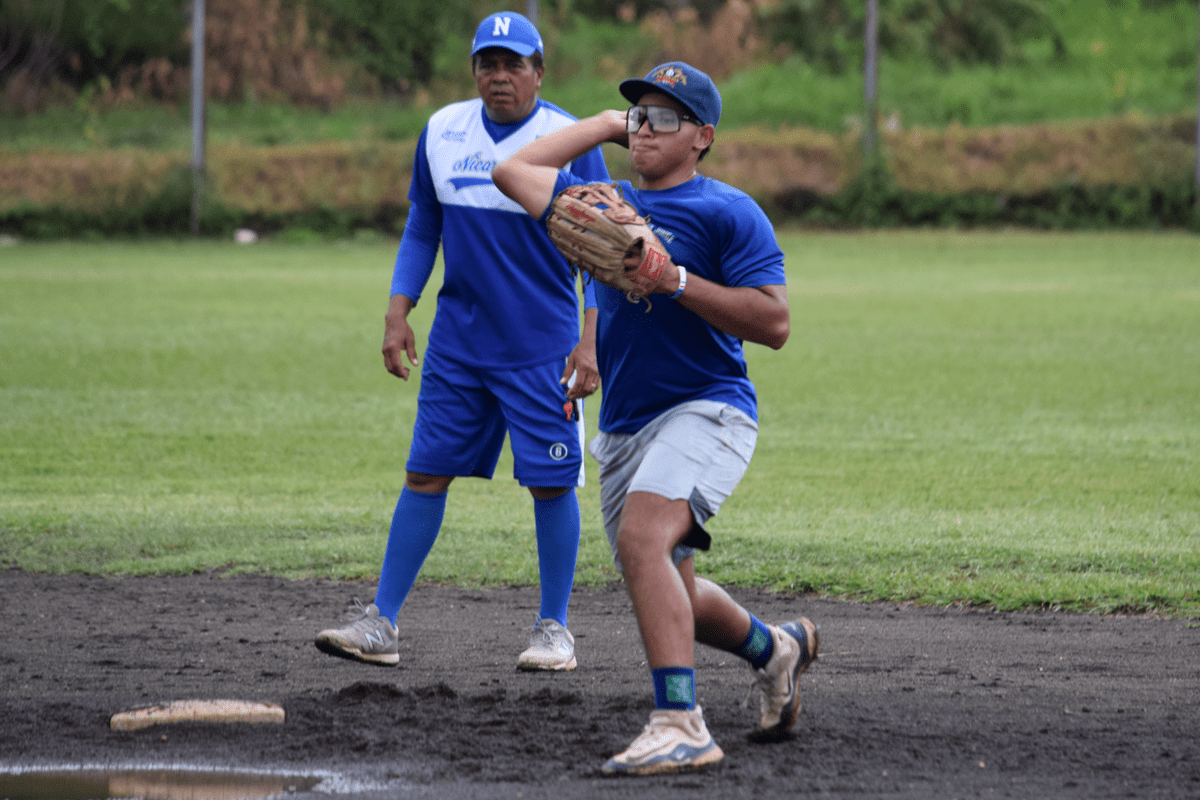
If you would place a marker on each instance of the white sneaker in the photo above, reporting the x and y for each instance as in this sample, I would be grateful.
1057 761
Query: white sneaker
795 648
673 741
551 647
369 637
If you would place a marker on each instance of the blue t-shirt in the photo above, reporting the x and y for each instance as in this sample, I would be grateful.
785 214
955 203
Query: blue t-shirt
507 298
652 361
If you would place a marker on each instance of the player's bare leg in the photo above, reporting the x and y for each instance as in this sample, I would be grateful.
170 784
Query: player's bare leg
780 654
651 526
676 737
721 622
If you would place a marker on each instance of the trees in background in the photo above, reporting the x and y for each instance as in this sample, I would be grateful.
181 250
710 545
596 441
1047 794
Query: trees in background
829 33
396 41
49 47
300 51
317 51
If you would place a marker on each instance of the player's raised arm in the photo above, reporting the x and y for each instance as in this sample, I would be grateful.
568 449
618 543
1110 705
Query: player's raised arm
529 175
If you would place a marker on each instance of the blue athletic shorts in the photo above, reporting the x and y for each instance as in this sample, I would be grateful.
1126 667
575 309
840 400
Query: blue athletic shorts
463 413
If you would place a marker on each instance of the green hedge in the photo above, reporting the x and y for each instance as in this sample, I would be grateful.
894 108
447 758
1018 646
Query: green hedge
1123 172
170 214
870 202
873 200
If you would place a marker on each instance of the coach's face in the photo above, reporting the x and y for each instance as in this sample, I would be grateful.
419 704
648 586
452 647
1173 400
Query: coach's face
507 82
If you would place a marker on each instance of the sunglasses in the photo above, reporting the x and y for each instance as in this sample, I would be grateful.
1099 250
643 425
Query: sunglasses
662 119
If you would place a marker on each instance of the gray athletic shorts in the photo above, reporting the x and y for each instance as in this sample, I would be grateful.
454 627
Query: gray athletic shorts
696 451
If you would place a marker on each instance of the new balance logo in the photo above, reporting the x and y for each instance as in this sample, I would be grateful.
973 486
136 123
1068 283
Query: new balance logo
376 638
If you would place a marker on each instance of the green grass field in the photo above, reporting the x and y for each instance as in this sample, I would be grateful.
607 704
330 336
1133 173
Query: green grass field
1006 419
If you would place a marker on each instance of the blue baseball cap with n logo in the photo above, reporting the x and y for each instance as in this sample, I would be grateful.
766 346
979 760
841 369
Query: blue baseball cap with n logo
509 30
685 83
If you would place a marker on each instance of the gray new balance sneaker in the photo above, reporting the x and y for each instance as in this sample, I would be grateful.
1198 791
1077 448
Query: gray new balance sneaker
551 647
795 648
369 637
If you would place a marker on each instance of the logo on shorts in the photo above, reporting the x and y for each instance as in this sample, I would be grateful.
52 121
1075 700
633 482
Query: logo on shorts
559 451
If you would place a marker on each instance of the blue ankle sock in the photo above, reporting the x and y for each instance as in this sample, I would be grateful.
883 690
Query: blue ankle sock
674 687
415 526
758 647
557 524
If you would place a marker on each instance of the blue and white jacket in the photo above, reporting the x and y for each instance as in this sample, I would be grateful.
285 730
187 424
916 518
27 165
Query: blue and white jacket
507 299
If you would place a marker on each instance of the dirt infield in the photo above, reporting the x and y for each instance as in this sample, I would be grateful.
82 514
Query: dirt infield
904 702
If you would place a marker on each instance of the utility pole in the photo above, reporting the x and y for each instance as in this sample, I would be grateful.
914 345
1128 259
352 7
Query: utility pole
531 11
197 112
870 75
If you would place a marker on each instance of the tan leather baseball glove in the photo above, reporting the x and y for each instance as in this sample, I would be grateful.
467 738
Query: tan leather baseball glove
598 231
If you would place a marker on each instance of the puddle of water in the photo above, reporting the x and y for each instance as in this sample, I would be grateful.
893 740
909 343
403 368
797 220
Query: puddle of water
150 784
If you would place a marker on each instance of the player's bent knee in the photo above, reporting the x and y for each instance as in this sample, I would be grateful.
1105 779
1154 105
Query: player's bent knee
638 551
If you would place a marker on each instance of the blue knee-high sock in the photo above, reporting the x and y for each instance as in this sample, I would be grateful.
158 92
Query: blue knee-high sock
415 526
557 523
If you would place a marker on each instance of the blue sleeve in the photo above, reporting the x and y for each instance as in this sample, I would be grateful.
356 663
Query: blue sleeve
589 294
563 180
418 250
591 166
422 232
750 254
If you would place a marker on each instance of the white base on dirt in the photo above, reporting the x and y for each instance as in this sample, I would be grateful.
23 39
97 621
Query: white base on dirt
197 711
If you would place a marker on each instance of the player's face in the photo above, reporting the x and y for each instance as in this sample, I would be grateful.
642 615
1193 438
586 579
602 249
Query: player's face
507 82
665 157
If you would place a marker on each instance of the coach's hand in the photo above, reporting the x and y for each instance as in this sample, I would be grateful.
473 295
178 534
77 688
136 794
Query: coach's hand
581 363
398 338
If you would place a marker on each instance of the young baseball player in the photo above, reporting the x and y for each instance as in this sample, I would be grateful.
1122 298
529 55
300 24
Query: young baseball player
505 355
678 421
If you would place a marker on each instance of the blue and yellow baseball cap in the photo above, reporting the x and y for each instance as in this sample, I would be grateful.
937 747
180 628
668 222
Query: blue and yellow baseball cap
509 30
685 83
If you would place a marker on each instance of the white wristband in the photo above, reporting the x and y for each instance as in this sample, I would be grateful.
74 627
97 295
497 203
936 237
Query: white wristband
682 283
